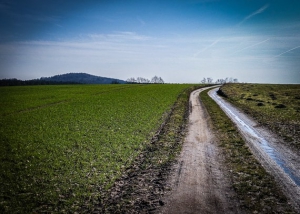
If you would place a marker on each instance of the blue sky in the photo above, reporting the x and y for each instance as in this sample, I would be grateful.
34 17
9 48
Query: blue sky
181 41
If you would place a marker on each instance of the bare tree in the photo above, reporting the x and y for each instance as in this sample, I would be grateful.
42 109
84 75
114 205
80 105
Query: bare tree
230 80
154 79
220 81
131 80
160 80
203 80
157 79
142 80
227 80
209 80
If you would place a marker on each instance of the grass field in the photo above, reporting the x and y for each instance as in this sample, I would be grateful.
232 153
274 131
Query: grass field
275 106
62 146
256 189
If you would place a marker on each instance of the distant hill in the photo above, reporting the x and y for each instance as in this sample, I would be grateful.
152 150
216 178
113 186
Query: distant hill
70 78
82 78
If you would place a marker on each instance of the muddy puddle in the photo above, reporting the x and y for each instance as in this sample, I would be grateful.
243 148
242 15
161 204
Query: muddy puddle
276 156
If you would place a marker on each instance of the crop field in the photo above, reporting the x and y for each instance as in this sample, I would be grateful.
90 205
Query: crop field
275 106
62 146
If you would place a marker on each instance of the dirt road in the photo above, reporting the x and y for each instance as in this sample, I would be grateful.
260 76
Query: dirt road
277 158
199 183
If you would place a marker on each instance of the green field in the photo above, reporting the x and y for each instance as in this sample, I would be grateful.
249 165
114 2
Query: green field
274 106
62 146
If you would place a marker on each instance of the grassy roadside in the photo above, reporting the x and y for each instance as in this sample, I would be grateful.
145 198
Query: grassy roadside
274 106
142 186
256 189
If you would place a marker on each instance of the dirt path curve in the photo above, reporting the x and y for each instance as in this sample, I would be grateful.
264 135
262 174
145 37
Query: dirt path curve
199 184
271 151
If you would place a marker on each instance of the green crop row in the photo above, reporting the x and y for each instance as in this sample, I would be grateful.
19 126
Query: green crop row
63 146
275 106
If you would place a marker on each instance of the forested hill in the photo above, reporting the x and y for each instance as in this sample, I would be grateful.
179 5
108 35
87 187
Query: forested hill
70 78
82 78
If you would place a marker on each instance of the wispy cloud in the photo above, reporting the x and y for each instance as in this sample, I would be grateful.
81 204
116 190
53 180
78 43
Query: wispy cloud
288 51
251 46
116 52
93 44
260 10
120 36
141 21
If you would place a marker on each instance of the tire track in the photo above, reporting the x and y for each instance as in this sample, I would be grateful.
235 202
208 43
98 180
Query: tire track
199 183
279 160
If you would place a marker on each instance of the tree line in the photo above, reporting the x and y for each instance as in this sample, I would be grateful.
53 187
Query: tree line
141 80
209 80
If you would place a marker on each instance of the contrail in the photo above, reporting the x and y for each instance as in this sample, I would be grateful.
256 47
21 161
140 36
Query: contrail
287 51
252 45
207 47
260 10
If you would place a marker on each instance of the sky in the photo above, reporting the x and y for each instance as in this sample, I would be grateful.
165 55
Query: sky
181 41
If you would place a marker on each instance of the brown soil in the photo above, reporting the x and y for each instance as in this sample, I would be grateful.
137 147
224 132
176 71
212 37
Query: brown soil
199 182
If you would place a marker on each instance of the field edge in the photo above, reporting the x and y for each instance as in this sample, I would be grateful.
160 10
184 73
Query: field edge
143 184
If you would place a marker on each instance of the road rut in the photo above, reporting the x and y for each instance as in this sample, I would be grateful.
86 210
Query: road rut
199 183
278 159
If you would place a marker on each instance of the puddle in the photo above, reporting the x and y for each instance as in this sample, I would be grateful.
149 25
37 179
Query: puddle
276 157
269 150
